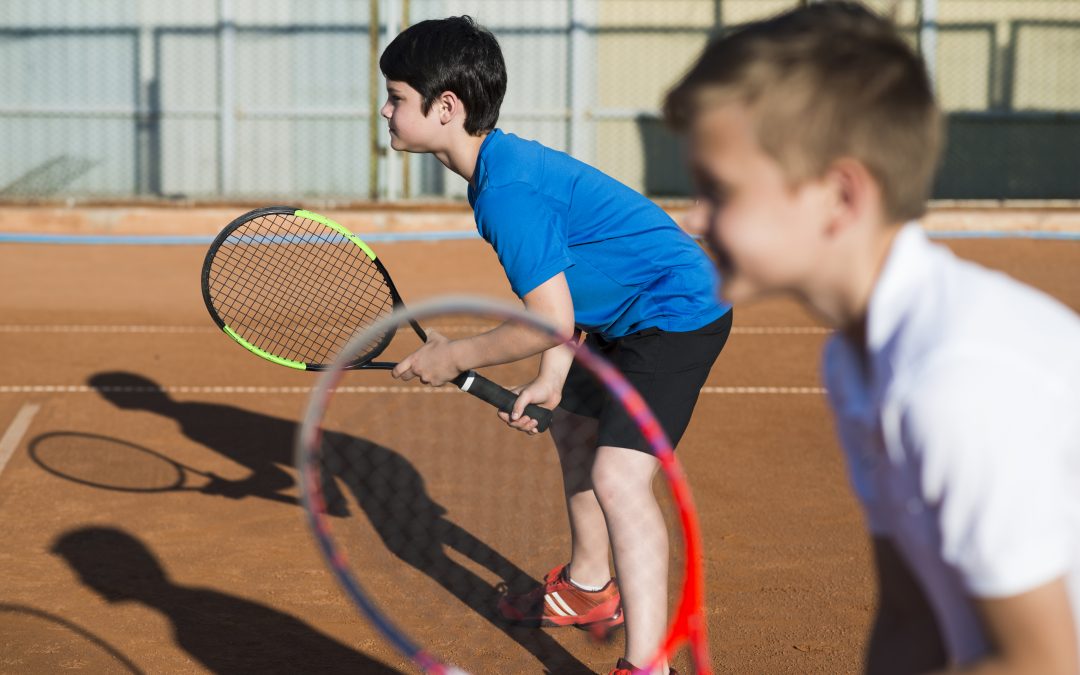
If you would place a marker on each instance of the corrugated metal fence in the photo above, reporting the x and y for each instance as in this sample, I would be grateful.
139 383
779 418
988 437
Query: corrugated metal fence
278 98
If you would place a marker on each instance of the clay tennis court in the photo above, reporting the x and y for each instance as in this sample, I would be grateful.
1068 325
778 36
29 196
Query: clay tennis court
111 344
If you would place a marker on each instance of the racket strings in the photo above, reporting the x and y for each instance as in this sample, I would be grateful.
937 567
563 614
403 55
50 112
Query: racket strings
304 329
373 292
295 288
255 286
292 276
261 267
294 279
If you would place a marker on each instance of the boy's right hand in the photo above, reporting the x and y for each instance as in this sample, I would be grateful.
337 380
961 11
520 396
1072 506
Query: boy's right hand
544 392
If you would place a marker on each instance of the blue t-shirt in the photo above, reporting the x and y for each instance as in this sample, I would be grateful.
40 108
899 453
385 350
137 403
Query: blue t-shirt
628 264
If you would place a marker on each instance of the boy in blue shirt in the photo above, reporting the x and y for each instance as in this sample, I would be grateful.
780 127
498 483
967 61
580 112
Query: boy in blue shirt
588 254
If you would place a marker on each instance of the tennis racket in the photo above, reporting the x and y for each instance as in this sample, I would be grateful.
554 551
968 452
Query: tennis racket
113 464
418 487
293 286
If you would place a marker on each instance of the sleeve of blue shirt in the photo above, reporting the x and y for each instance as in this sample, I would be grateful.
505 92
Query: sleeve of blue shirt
527 234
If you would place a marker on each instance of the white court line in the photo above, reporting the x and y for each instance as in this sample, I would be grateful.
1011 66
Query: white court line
763 390
113 328
15 432
60 328
84 389
781 330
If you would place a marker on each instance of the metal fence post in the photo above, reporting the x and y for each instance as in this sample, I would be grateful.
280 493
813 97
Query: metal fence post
226 97
391 165
581 77
928 31
406 163
373 98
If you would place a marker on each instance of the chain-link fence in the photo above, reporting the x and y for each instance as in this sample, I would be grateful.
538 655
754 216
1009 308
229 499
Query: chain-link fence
227 99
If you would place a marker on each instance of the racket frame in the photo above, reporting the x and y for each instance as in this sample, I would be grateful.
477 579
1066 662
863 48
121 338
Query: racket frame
689 625
367 360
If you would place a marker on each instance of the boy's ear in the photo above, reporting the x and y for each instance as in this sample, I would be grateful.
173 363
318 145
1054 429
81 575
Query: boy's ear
856 193
449 107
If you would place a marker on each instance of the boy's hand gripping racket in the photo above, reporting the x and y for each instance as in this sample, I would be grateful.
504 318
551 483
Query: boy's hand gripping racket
292 287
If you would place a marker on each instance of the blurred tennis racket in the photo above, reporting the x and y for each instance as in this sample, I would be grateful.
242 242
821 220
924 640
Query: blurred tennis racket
422 492
293 286
114 464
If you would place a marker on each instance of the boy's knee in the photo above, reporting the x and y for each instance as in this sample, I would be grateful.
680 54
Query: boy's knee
614 483
606 490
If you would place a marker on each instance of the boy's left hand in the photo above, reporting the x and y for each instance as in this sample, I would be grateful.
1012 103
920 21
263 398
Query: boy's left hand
433 363
544 392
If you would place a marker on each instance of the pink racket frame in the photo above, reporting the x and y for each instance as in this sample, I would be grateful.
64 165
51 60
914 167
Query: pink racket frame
687 627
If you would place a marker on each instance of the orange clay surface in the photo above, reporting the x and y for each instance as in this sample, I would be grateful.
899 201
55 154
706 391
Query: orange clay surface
182 581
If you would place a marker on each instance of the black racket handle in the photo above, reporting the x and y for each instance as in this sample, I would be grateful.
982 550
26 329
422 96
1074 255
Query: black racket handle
484 389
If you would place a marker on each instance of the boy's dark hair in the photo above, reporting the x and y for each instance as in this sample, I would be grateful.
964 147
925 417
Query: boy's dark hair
826 81
453 54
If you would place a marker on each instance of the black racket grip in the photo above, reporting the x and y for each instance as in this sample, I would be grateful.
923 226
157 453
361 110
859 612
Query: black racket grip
484 389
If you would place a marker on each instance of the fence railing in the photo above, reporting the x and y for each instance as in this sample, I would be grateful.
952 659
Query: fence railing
271 98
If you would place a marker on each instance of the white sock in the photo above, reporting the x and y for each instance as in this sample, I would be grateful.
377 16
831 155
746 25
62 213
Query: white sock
585 587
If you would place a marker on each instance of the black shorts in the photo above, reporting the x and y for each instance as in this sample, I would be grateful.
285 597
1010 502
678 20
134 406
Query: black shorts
667 368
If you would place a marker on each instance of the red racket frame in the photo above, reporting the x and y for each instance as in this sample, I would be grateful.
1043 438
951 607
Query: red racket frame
687 627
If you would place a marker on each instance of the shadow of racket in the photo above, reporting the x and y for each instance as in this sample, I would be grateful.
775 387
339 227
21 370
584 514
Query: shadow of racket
28 627
114 464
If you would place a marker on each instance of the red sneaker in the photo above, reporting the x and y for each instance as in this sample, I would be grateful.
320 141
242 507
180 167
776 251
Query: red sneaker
560 603
624 667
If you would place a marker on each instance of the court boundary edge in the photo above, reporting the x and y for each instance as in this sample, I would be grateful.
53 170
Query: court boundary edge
449 235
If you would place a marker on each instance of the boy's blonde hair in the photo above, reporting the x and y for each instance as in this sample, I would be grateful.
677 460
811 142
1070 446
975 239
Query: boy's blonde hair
823 82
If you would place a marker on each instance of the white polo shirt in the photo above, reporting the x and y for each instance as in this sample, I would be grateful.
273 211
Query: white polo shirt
963 439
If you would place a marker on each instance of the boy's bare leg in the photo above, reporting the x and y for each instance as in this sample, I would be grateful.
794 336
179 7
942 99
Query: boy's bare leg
609 498
622 480
575 438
